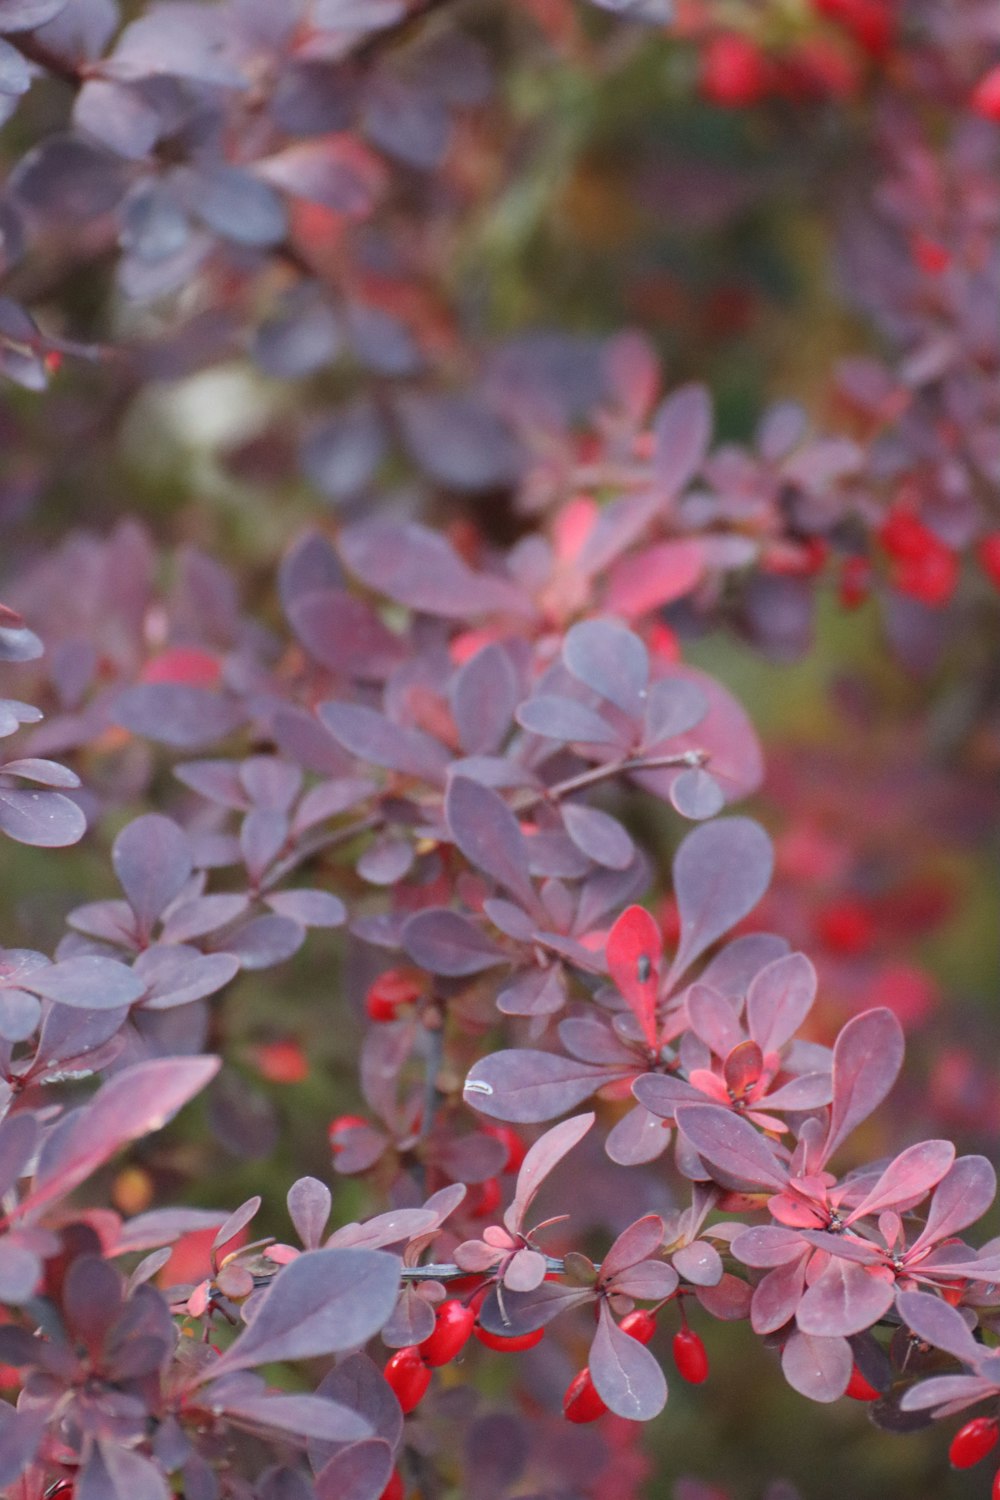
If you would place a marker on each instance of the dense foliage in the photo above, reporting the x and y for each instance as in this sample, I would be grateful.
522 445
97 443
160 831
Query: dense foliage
376 592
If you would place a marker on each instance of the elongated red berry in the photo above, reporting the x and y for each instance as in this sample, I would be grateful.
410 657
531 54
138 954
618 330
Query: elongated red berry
734 71
972 1442
858 1388
581 1402
453 1324
408 1376
395 1489
487 1199
639 1325
690 1356
995 1487
512 1344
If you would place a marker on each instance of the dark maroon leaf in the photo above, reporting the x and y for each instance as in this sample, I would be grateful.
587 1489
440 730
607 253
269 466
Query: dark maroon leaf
683 427
373 738
867 1058
779 999
325 1301
484 696
601 837
489 836
445 942
939 1325
640 1241
731 1145
417 567
152 859
526 1087
963 1195
458 441
720 873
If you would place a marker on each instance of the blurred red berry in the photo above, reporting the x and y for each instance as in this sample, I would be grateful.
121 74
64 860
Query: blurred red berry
485 1199
516 1148
734 71
395 1489
855 582
639 1325
845 926
988 553
390 990
985 98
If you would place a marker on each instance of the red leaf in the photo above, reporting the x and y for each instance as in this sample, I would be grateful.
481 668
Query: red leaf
634 949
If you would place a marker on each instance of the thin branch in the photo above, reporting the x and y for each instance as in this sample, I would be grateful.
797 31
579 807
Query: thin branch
610 769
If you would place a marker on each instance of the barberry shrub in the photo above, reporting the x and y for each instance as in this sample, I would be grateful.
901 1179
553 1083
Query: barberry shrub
526 812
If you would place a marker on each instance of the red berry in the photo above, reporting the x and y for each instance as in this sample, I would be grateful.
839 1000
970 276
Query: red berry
452 1330
581 1402
639 1325
690 1356
904 536
390 990
973 1441
858 1388
846 926
855 581
985 98
408 1376
512 1344
395 1489
486 1201
734 72
988 553
516 1149
995 1487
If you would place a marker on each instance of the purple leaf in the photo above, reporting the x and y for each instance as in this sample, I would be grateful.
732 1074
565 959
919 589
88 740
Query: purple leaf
172 713
489 836
345 634
963 1195
526 1311
357 1382
696 794
699 1263
87 983
542 1158
674 705
640 1241
134 1102
360 1471
564 719
649 1281
907 1179
731 1145
867 1057
779 999
767 1245
682 429
952 1391
152 859
47 820
939 1325
458 441
325 1301
526 1087
610 659
309 1204
626 1376
484 696
309 908
177 975
113 1472
237 1220
601 837
713 1019
308 1416
720 873
817 1367
445 942
419 568
637 1137
25 15
371 737
845 1298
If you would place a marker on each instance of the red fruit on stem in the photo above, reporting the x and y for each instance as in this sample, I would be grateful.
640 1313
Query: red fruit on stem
390 990
734 72
395 1489
516 1149
511 1344
858 1388
995 1487
972 1442
988 553
453 1323
985 99
487 1200
690 1356
639 1325
581 1402
409 1376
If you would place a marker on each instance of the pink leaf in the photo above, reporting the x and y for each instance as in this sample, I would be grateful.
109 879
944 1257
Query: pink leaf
626 1376
867 1057
543 1157
633 952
